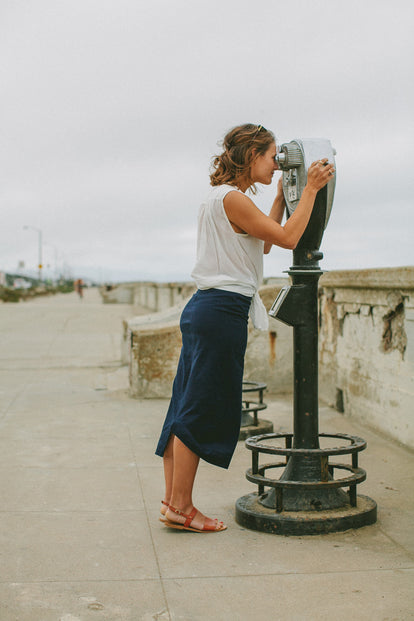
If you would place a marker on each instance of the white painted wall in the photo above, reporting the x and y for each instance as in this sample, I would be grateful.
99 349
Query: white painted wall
367 347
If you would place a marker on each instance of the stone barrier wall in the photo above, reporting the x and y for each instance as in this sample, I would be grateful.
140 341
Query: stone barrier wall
118 294
152 345
153 296
367 347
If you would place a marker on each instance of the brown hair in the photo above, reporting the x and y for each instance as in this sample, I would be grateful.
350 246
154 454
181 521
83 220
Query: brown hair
235 161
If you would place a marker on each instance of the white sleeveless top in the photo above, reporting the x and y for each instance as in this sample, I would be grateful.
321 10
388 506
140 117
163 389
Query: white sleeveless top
226 259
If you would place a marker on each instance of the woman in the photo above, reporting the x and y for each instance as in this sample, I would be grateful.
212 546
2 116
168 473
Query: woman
203 419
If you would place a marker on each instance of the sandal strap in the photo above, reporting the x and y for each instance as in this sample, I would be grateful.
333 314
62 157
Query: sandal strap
189 517
216 526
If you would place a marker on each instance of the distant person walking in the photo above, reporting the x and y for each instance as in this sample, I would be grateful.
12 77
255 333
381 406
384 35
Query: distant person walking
79 285
203 419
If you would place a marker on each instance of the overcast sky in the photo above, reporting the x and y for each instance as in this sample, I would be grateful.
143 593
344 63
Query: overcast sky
112 109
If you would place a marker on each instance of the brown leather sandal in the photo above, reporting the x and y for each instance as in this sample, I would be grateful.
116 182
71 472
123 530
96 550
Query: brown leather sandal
216 528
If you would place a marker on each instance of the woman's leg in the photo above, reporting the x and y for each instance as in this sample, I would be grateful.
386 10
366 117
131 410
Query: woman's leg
184 472
185 464
180 468
168 460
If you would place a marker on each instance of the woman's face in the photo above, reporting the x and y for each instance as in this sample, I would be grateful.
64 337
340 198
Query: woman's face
264 165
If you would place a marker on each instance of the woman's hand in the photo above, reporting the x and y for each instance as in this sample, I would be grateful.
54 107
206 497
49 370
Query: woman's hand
319 173
243 213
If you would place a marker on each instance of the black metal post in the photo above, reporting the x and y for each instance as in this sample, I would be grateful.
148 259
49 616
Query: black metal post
305 344
302 314
306 499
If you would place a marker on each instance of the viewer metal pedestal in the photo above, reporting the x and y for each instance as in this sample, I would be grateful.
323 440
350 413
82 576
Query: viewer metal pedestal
308 498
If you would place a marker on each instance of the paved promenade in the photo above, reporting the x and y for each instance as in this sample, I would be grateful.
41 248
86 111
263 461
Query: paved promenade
80 492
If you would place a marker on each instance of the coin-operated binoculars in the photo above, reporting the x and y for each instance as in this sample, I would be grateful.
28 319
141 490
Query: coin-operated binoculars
294 159
307 498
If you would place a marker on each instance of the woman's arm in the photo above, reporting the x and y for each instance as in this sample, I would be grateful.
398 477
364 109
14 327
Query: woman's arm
243 213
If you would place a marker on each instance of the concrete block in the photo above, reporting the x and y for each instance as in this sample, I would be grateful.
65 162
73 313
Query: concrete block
155 351
366 347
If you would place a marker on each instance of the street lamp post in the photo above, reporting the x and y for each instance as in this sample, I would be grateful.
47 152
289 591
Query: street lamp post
55 260
39 232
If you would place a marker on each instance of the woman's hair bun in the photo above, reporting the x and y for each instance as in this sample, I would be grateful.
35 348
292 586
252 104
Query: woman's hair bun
240 145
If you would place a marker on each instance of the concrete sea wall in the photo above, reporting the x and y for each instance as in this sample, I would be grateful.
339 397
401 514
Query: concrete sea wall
152 345
366 345
153 296
366 341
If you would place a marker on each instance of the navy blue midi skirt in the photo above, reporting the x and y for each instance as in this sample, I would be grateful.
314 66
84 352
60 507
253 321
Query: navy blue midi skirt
205 407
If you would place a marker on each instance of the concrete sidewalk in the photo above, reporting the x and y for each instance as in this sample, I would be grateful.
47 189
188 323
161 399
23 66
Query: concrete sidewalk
80 491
